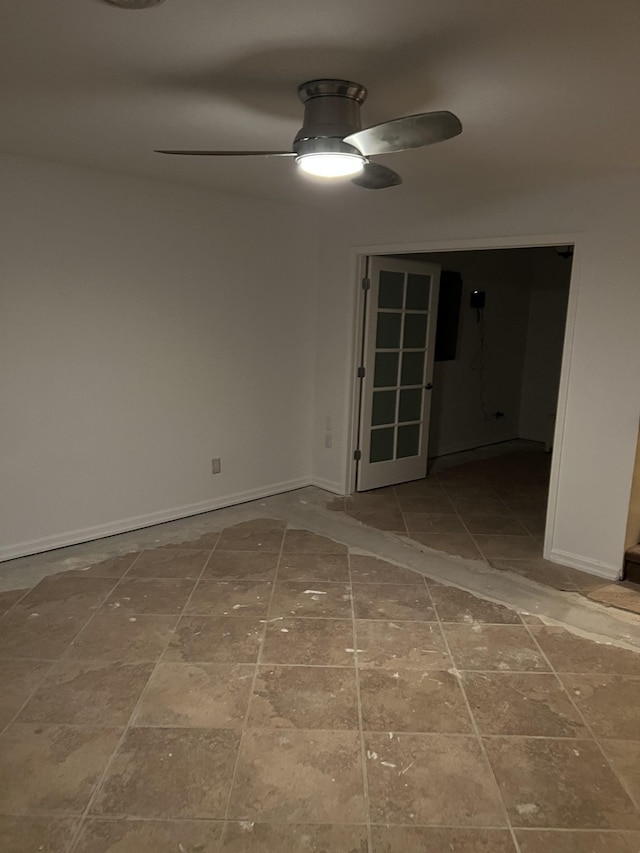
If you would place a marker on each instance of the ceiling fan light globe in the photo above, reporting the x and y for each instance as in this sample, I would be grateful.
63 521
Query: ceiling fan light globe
332 165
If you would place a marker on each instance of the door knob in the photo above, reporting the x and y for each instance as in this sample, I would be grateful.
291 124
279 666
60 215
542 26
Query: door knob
429 386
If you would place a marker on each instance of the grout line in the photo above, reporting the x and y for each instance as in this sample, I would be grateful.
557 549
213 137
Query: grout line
134 713
45 675
596 740
258 660
476 729
363 754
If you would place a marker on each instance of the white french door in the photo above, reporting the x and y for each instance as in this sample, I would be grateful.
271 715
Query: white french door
398 350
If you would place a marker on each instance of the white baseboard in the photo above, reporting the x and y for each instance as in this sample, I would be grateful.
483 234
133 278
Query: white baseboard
328 485
124 525
585 564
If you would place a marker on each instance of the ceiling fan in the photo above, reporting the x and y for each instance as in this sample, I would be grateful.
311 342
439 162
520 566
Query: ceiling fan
331 143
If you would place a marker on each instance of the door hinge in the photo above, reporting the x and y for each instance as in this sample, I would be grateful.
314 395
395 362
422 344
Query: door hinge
362 372
357 455
366 283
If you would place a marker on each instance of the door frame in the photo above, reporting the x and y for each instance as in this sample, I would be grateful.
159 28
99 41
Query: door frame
359 261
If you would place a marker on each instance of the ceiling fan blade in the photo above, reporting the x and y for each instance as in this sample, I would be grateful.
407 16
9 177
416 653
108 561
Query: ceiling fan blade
376 177
402 133
231 153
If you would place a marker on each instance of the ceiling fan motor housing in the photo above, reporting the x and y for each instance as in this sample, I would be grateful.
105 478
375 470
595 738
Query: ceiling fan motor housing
331 112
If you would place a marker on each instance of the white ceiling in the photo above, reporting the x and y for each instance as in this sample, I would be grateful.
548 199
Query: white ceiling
545 89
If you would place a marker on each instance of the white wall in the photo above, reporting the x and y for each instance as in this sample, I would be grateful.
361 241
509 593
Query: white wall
458 422
545 338
144 329
595 456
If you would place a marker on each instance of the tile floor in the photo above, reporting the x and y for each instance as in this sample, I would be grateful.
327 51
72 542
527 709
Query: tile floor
492 510
264 689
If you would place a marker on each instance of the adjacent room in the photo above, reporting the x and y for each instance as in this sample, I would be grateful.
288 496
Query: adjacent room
319 469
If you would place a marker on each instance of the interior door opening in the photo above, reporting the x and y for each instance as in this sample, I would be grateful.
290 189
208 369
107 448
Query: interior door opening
493 356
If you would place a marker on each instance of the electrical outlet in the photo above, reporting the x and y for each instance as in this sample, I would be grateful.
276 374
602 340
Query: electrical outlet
328 440
216 466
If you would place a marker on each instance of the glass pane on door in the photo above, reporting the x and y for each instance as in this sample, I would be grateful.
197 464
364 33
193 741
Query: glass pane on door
391 289
384 407
412 368
386 369
382 441
408 440
388 331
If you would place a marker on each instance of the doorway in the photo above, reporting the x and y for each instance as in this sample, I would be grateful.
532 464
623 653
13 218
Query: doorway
496 379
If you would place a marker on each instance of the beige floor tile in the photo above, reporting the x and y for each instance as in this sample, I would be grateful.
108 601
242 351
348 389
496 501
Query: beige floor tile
319 642
493 647
559 784
18 680
412 701
170 773
242 565
244 540
169 563
433 522
548 841
393 601
508 547
332 568
56 595
319 599
373 570
216 639
113 567
535 506
304 697
229 598
401 645
378 500
42 834
495 524
93 693
51 768
456 605
205 695
532 704
150 595
469 491
473 509
408 839
535 524
304 541
250 837
10 597
569 653
31 635
625 757
416 488
149 836
299 777
430 502
456 544
204 542
609 703
430 780
116 636
538 570
381 519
